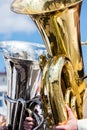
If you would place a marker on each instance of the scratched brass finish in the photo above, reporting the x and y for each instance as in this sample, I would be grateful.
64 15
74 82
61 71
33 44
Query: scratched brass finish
58 22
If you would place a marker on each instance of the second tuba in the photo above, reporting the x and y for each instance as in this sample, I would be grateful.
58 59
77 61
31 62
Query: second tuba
23 77
63 72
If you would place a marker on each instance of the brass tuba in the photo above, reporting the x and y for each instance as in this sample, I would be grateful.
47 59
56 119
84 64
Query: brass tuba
23 77
63 72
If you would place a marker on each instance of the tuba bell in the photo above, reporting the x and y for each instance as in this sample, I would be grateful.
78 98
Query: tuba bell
63 72
23 77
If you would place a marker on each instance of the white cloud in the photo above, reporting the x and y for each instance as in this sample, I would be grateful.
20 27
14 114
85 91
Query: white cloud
11 22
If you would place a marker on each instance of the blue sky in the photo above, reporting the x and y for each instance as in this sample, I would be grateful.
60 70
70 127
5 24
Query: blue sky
21 28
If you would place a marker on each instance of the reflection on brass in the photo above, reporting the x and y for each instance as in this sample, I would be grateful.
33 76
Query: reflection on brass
58 22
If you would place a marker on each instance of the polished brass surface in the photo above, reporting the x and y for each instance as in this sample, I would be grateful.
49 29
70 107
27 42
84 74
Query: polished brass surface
41 6
59 24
